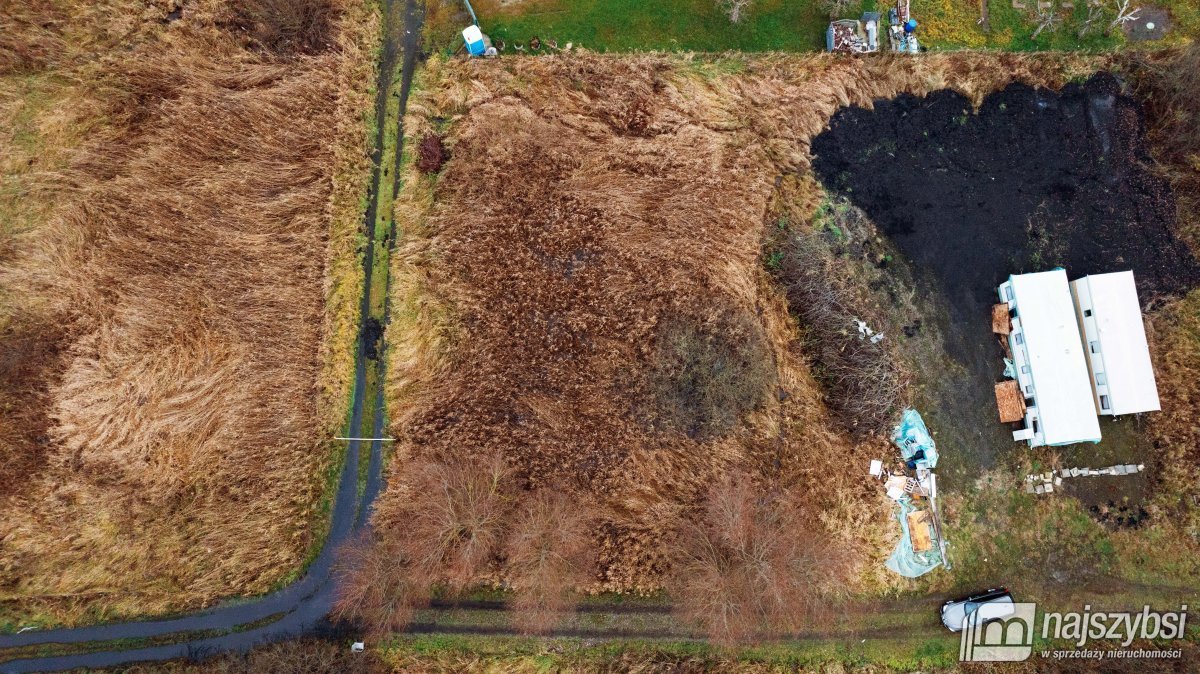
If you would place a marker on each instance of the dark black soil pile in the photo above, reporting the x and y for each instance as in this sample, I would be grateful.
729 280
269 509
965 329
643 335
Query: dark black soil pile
1035 180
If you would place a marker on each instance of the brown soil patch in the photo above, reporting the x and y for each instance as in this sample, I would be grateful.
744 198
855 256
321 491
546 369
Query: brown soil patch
593 208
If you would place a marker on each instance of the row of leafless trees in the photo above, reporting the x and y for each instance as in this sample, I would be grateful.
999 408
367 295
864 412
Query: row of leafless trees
747 564
458 519
1121 11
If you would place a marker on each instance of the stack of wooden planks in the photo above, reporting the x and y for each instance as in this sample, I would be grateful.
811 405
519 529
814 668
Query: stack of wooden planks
1009 401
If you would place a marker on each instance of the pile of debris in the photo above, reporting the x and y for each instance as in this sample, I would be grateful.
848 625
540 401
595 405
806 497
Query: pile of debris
902 35
1044 483
861 36
922 547
849 36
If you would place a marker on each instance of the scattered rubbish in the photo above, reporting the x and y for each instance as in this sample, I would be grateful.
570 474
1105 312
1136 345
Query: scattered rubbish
920 530
864 330
1044 483
922 546
902 29
1010 369
357 647
849 36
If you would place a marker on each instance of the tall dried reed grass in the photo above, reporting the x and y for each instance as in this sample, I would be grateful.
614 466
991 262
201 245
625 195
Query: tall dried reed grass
182 283
589 203
1168 83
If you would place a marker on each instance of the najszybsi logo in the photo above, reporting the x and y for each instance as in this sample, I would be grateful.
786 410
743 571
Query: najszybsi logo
1010 638
1007 639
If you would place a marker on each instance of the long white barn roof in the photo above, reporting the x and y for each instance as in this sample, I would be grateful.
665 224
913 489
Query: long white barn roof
1123 348
1062 385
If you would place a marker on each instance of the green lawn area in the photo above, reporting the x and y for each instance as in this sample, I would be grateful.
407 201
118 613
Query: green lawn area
687 25
775 25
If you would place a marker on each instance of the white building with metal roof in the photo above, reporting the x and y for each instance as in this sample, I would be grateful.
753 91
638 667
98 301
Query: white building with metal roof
1051 367
1118 357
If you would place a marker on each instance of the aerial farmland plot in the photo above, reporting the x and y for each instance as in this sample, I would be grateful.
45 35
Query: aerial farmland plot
327 346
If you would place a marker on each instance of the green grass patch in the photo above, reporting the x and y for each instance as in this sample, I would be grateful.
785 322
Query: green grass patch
528 654
671 25
776 25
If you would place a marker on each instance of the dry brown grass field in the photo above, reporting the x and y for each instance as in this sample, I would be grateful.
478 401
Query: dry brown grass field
581 289
178 294
1170 85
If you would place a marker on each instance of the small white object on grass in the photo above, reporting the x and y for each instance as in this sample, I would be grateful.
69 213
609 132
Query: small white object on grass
1150 25
876 467
357 647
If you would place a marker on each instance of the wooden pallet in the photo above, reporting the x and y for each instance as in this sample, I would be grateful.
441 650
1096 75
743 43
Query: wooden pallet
1001 323
919 531
1009 401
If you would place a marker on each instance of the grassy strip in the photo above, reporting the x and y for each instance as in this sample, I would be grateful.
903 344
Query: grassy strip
528 654
56 650
380 261
351 196
776 25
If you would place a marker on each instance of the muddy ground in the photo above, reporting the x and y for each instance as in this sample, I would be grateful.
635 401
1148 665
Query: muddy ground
1034 179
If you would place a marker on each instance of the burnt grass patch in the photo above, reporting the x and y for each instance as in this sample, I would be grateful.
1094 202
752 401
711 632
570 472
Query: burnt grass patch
1032 180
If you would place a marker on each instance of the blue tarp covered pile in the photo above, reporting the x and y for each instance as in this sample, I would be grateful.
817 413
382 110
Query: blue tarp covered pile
914 440
918 451
906 561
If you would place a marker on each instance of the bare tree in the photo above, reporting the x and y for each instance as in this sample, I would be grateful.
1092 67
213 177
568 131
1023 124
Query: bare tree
455 518
450 527
1047 19
375 588
836 8
734 9
549 555
1124 14
748 567
1095 10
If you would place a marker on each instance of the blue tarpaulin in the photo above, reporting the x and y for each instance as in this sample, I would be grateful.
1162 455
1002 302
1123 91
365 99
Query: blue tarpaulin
913 439
906 561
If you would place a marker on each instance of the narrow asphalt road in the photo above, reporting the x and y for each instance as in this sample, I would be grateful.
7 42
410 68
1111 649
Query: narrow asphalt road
302 606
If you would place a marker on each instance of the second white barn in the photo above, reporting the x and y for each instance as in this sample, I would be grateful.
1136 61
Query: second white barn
1118 356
